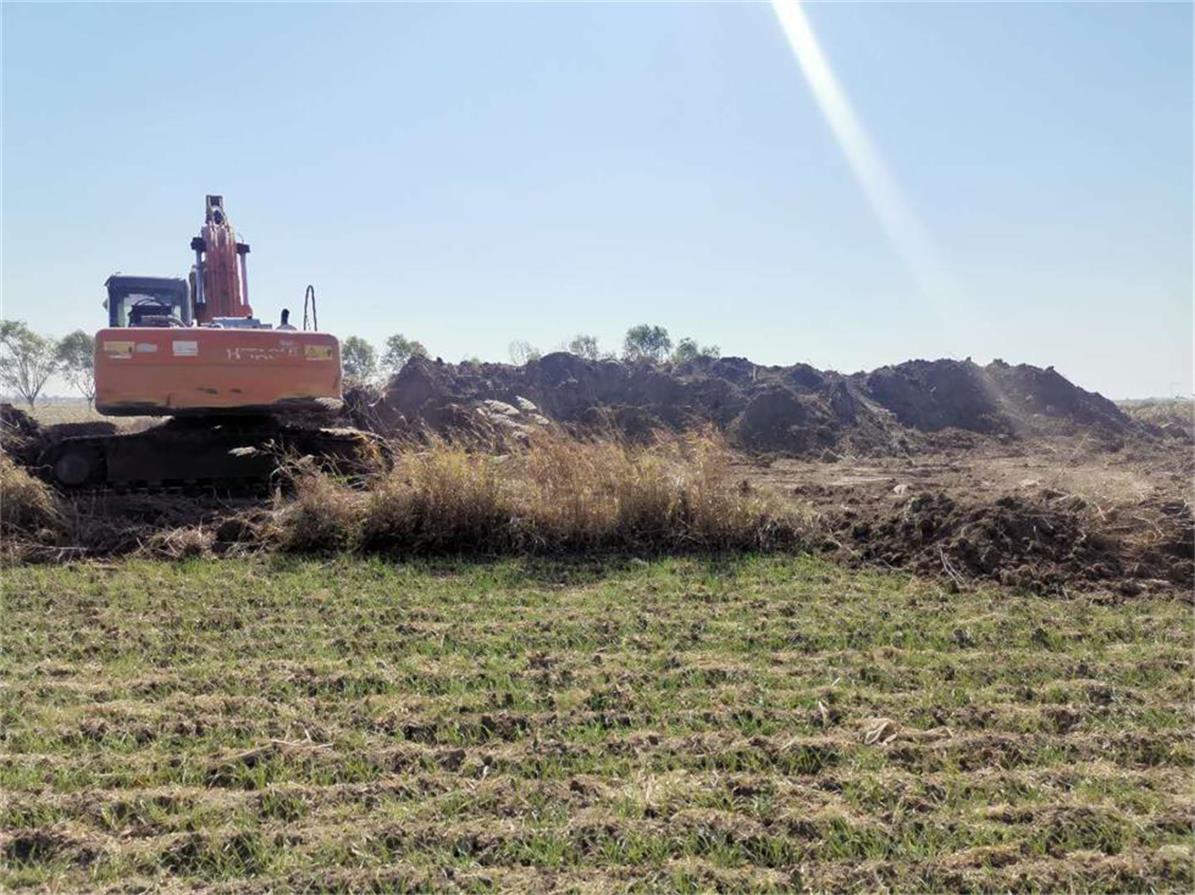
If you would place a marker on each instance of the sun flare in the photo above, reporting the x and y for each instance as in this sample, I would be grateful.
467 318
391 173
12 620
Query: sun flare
901 224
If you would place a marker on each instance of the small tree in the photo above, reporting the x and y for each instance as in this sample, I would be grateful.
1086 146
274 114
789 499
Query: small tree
646 342
523 352
688 349
27 360
586 346
399 350
76 357
359 360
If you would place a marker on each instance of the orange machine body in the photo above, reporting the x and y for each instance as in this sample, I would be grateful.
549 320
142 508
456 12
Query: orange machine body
176 371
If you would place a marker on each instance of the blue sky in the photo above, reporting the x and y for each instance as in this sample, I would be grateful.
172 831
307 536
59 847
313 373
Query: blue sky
474 174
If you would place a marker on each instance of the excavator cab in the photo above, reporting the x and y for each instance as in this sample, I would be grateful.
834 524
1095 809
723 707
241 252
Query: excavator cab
147 301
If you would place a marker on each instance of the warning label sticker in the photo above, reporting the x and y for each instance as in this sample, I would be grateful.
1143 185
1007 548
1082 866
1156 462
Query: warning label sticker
318 352
186 349
118 349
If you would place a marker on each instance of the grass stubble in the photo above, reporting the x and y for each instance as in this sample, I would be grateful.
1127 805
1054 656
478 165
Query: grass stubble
742 723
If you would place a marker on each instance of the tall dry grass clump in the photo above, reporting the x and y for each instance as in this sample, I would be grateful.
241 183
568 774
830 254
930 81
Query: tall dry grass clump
442 499
321 515
27 505
555 494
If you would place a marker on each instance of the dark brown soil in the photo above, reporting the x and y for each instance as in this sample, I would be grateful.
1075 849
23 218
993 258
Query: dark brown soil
20 435
1041 515
793 411
1045 541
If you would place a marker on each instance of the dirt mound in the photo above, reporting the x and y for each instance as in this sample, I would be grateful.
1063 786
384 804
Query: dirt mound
933 395
20 435
1043 542
780 419
796 410
1044 401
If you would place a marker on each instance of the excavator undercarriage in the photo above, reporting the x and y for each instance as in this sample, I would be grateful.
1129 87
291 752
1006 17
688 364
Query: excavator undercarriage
203 453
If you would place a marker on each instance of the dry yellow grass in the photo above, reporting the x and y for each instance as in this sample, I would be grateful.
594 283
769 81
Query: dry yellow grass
62 412
1172 415
27 504
80 411
556 494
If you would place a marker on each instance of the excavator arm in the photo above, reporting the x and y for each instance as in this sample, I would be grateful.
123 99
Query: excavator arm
222 277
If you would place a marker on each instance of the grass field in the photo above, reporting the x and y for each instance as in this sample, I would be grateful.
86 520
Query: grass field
674 725
62 411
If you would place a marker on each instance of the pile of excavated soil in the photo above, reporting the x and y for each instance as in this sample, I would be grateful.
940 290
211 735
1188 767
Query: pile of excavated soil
796 410
1045 515
1044 542
20 436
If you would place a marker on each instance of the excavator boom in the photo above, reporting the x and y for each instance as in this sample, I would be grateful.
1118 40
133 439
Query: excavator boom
221 272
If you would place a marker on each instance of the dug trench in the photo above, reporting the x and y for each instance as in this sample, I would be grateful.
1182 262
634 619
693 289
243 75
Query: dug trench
971 474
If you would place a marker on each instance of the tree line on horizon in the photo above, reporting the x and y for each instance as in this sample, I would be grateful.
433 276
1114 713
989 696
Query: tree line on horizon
643 343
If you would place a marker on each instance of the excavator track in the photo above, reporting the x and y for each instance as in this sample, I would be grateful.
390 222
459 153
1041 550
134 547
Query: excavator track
227 454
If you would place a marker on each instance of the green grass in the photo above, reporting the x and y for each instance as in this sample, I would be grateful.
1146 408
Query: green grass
679 725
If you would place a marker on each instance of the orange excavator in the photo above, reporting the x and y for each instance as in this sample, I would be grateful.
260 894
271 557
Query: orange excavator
238 391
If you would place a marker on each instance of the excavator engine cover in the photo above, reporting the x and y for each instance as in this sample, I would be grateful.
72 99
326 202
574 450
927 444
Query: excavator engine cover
191 370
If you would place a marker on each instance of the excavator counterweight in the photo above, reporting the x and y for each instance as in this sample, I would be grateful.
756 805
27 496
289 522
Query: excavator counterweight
199 370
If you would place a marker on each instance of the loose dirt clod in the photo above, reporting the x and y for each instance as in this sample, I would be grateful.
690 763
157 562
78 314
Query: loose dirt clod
1042 542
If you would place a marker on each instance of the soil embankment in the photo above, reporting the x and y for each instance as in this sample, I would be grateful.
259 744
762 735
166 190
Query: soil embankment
793 411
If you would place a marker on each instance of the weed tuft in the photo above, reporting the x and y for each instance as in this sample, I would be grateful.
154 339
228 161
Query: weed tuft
321 515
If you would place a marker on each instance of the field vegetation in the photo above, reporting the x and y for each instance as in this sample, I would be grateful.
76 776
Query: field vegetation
684 724
27 504
551 495
555 494
1172 414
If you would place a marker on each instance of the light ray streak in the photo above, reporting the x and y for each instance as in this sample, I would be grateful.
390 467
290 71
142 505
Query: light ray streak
898 220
